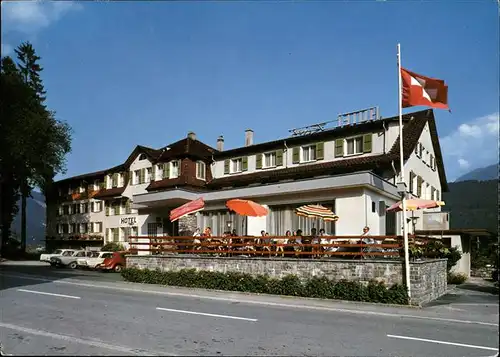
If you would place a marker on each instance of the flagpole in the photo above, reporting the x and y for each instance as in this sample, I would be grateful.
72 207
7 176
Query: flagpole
401 163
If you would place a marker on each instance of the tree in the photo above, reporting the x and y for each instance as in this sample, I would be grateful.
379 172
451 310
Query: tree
34 142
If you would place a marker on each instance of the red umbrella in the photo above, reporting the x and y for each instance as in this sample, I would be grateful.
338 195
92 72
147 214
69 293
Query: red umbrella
247 208
188 208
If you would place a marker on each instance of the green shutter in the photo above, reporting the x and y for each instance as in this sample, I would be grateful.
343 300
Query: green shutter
339 147
367 143
166 170
128 209
107 209
142 178
419 186
114 180
227 164
320 151
107 234
258 161
244 163
279 157
130 175
296 155
153 173
179 168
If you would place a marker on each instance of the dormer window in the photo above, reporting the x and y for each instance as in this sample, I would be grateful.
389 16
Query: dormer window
308 153
236 165
174 169
269 159
354 146
200 170
142 157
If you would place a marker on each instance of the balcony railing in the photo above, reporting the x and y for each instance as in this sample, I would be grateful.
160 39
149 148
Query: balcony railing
270 246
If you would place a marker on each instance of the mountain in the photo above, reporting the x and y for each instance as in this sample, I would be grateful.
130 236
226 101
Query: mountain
35 219
481 174
473 204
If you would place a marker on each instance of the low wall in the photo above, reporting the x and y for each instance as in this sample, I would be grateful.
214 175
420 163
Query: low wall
428 278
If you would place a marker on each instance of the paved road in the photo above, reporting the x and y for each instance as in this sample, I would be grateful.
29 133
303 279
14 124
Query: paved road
85 313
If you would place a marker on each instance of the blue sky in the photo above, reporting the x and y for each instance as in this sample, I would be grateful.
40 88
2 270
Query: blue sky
130 73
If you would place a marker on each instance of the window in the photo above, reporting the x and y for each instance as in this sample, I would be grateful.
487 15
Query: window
66 209
83 228
148 175
126 232
433 163
76 208
236 165
114 180
420 150
270 159
60 228
152 229
354 146
116 235
174 169
72 228
98 227
116 208
60 210
85 208
96 185
142 157
98 206
90 227
200 170
159 171
308 153
65 228
137 177
128 207
411 185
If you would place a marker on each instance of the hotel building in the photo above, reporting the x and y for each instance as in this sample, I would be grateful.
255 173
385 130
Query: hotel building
351 168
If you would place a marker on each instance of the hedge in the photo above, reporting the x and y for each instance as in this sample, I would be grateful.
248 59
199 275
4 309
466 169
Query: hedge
316 287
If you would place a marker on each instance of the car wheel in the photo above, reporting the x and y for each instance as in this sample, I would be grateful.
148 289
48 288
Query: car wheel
117 268
72 265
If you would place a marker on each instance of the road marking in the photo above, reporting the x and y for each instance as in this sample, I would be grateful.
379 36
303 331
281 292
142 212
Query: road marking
50 294
255 302
443 342
87 341
205 314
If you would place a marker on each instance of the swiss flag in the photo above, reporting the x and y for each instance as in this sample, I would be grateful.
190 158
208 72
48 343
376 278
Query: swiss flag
425 91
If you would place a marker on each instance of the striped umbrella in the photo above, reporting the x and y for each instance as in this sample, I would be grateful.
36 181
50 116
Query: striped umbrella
415 204
316 211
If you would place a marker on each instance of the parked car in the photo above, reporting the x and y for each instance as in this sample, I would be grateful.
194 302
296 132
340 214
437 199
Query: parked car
68 260
93 260
57 253
115 263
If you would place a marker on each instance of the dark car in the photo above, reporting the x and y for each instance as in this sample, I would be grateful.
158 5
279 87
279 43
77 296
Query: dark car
115 263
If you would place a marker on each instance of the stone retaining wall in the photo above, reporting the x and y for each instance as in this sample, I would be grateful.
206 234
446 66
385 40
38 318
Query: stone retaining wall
428 278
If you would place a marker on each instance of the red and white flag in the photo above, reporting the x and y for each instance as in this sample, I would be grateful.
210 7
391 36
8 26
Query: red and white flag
420 90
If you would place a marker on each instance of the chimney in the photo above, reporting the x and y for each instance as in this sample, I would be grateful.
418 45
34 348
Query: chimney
220 143
248 137
192 135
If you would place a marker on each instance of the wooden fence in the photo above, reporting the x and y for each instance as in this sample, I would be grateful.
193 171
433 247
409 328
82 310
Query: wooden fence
271 246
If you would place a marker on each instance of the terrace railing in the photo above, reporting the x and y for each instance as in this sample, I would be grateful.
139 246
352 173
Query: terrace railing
270 246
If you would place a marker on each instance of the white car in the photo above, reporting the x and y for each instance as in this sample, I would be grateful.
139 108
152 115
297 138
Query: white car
95 259
57 253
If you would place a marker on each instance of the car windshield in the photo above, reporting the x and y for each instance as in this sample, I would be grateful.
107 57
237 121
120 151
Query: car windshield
107 255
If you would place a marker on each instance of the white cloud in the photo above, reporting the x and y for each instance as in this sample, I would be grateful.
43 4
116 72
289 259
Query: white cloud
29 17
473 144
464 164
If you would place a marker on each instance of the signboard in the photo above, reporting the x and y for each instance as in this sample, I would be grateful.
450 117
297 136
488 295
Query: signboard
131 221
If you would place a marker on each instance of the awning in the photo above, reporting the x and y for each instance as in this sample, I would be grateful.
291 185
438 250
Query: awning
188 208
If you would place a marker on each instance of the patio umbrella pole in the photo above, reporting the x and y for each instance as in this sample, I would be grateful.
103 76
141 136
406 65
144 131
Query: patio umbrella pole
401 162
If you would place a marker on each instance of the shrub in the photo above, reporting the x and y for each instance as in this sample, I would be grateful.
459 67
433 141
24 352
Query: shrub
456 278
291 285
112 247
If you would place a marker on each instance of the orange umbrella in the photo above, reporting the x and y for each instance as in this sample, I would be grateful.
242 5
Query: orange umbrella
247 208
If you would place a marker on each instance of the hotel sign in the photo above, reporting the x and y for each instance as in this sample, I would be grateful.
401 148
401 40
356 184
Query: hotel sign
128 220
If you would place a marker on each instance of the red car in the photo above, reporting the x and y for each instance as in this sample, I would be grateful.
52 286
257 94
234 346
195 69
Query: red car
116 263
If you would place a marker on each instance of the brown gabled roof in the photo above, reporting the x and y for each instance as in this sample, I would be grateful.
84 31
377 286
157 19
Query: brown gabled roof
92 175
152 154
111 192
413 126
187 147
